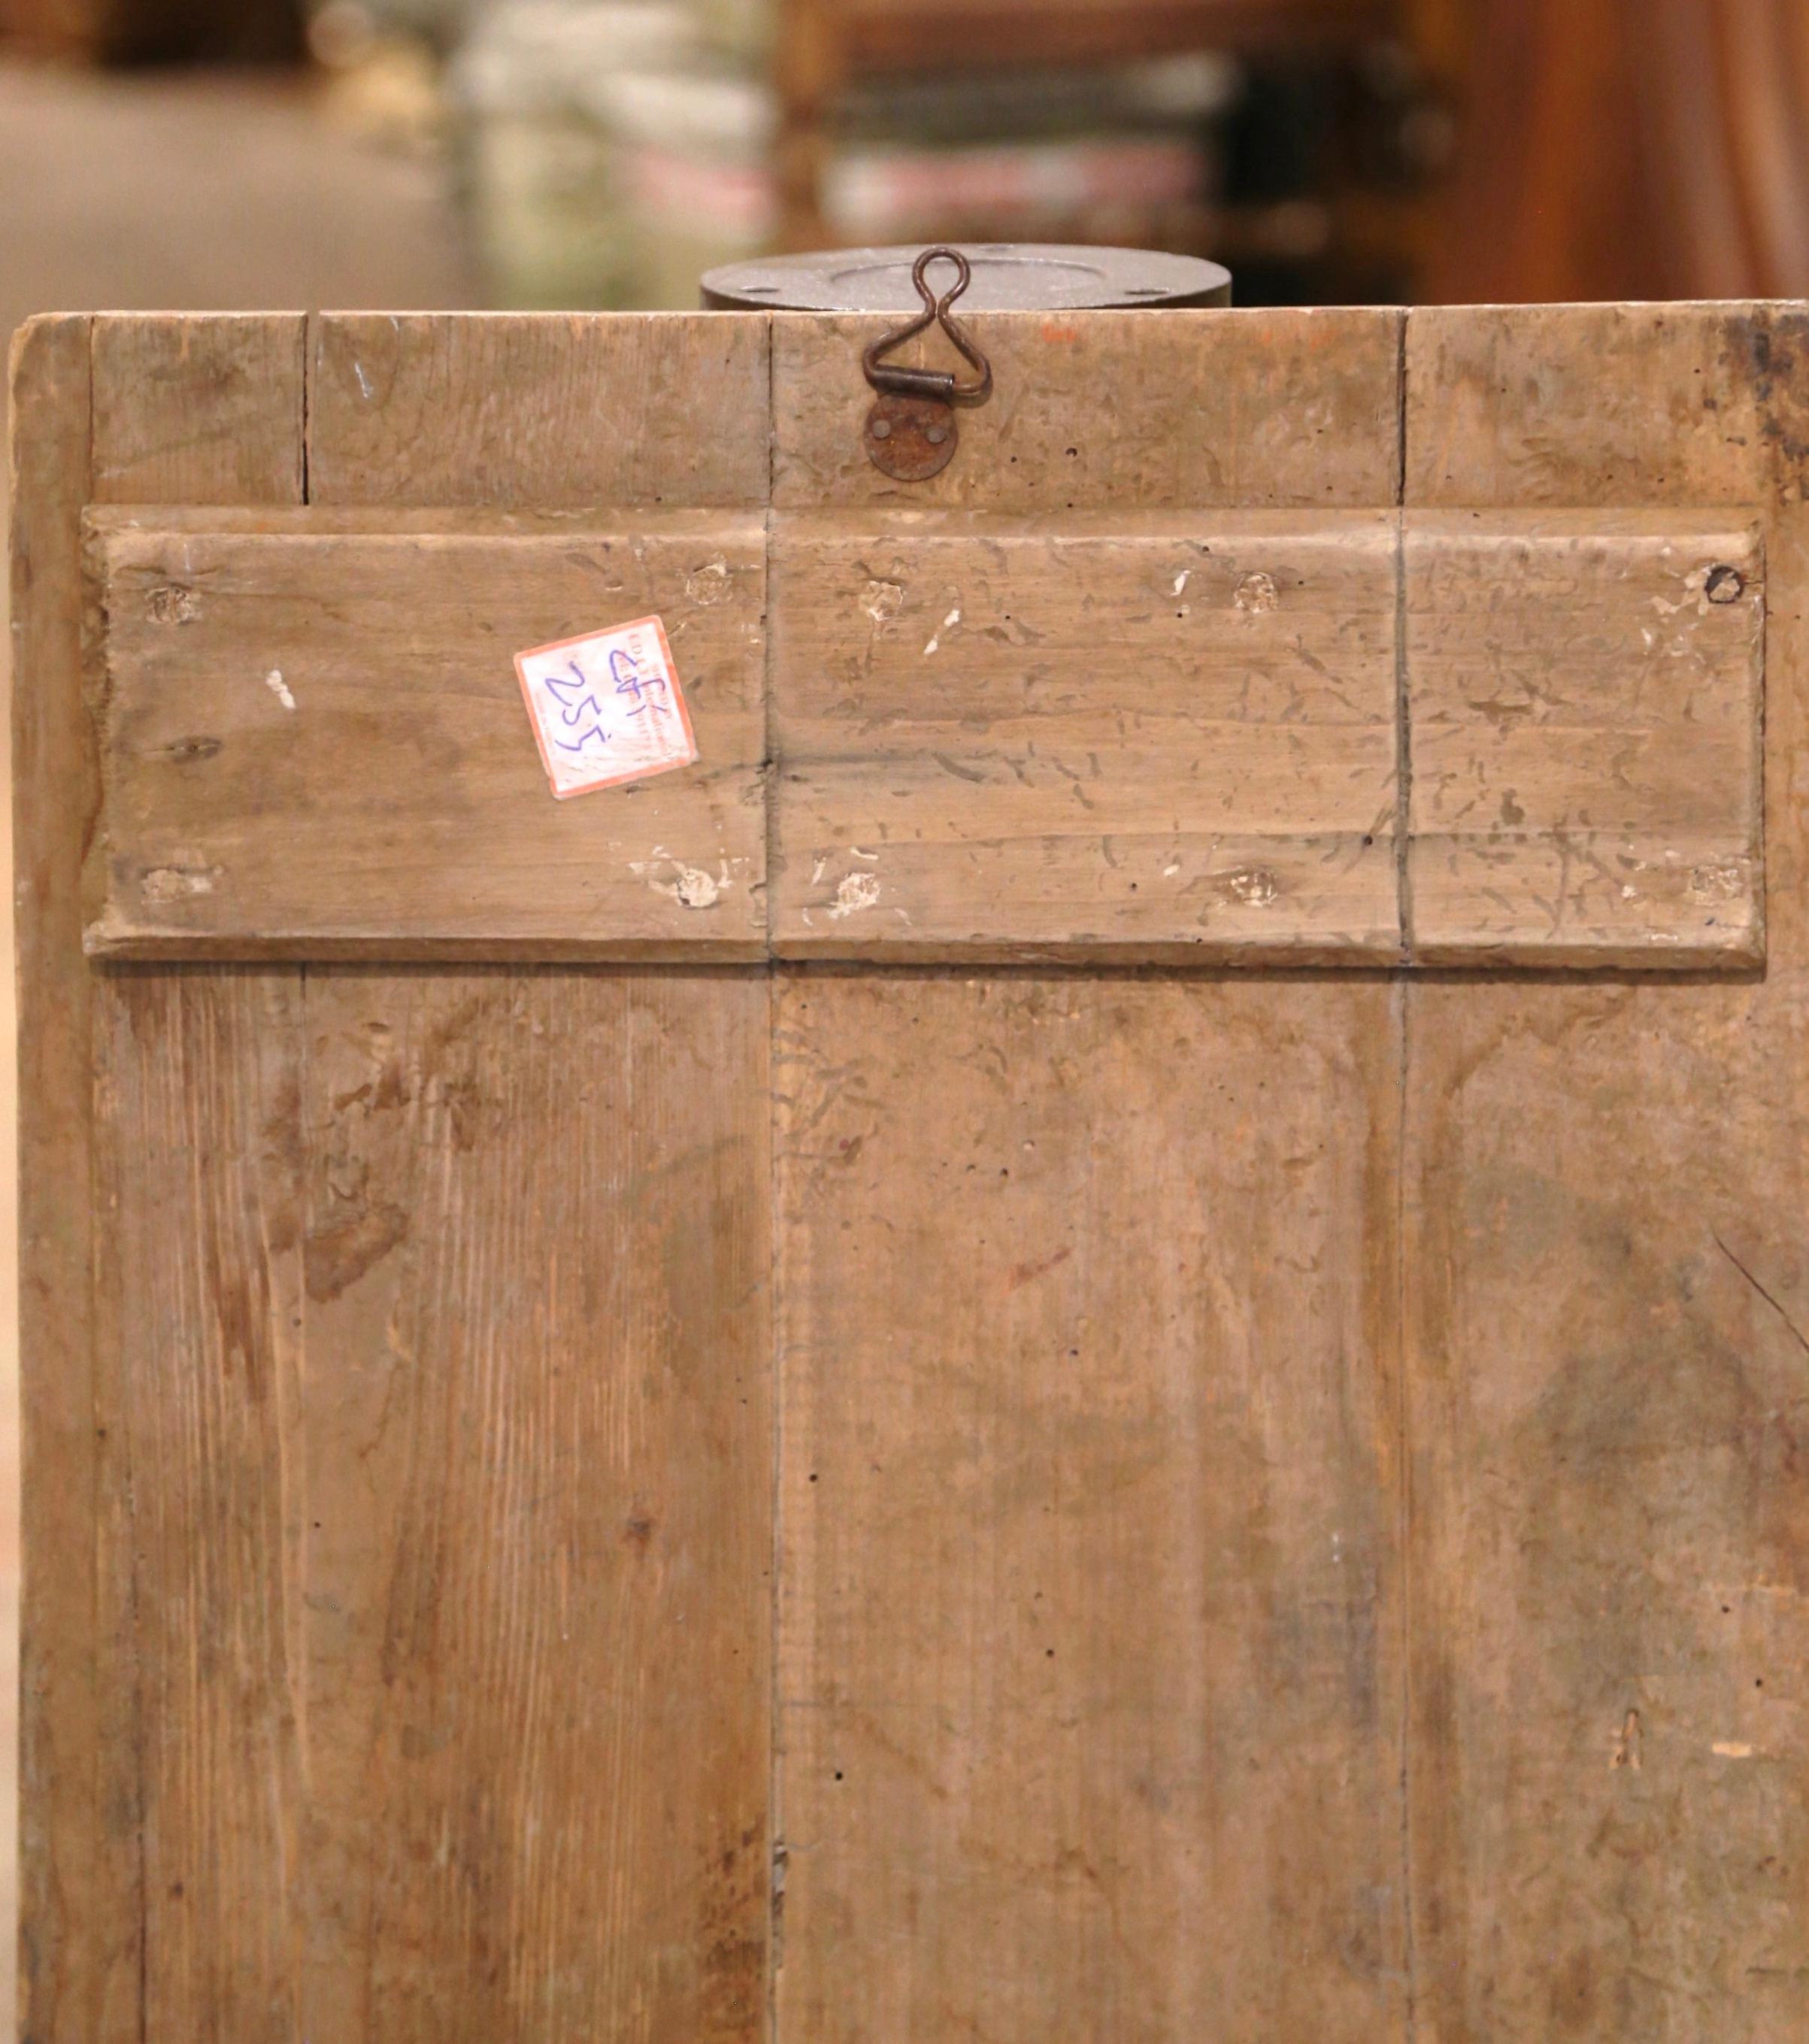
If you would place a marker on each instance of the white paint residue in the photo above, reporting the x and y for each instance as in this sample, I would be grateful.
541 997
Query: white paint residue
170 883
1180 582
364 383
1722 880
695 888
948 625
690 886
858 891
710 584
1732 1749
279 688
1254 886
872 857
817 870
170 603
882 601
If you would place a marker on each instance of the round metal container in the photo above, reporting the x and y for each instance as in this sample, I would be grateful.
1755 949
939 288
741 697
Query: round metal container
1024 277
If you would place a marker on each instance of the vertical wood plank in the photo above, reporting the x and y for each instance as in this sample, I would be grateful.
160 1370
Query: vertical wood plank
1090 1685
183 409
198 1320
1089 1664
1608 1297
77 1862
538 1426
199 1737
540 1351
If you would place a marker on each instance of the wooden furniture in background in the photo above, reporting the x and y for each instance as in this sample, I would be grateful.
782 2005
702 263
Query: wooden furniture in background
826 46
852 1448
1626 148
155 31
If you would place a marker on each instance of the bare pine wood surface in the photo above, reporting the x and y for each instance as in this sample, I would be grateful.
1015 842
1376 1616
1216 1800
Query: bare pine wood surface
313 741
182 409
1124 735
1606 1297
1287 1516
1104 411
1080 1732
1584 717
198 1293
539 1517
547 410
196 1678
538 1268
76 1863
1089 1667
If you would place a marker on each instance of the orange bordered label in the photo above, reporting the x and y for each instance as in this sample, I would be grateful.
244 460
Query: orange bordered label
606 707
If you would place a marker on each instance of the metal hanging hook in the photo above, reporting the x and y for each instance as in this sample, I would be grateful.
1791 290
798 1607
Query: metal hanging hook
896 380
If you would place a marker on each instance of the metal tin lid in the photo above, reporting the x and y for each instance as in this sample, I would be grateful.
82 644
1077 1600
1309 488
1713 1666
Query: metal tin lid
1008 277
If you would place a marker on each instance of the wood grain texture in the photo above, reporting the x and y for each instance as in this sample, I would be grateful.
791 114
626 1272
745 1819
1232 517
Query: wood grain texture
1089 1678
198 1293
541 410
1090 1672
181 408
539 1526
313 742
1585 706
540 1802
179 1967
1134 736
76 1868
1095 411
1610 1549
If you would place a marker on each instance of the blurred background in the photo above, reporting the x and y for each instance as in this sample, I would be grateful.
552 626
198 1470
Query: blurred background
234 154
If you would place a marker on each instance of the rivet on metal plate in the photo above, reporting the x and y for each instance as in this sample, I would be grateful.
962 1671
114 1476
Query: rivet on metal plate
911 432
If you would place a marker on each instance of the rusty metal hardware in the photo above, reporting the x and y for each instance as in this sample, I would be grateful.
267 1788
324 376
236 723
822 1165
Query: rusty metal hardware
911 433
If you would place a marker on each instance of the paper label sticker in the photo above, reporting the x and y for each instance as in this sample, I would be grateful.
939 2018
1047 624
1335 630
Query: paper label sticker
606 707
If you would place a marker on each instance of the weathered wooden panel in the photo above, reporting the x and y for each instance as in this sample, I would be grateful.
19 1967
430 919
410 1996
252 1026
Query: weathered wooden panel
1089 1662
195 1700
313 740
182 409
543 410
199 1320
1609 1769
537 1466
412 1390
1095 411
1087 1678
539 1269
1584 711
1140 736
77 1870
